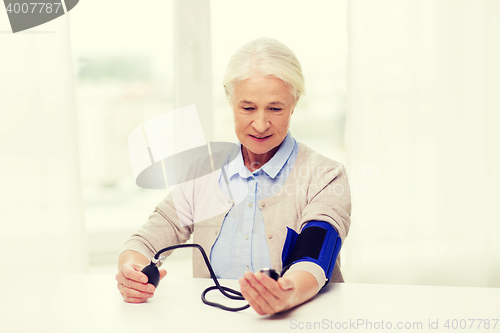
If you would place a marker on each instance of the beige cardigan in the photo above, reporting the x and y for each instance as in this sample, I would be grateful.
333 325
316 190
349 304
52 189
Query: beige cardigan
316 189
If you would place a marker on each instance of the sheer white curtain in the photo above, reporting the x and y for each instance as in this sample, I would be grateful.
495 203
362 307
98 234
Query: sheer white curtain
423 139
42 228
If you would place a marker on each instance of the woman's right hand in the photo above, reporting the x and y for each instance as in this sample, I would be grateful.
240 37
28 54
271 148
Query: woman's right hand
132 283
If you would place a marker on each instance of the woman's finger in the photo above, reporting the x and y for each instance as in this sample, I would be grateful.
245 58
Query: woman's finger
134 300
274 287
130 283
163 273
247 292
132 293
262 296
144 287
130 272
276 298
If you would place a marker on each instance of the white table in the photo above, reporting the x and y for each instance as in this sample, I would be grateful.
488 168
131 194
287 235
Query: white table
88 303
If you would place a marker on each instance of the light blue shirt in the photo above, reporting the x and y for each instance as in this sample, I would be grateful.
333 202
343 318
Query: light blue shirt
241 245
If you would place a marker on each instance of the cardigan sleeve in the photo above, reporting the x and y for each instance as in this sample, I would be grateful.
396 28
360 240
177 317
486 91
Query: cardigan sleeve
329 199
172 221
165 227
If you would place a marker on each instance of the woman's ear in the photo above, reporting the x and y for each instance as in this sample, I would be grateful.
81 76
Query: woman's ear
296 101
294 105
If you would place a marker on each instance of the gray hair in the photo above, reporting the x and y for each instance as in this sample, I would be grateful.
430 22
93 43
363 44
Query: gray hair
267 57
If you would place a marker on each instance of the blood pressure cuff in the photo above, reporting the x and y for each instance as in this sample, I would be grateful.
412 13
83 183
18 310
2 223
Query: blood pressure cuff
318 242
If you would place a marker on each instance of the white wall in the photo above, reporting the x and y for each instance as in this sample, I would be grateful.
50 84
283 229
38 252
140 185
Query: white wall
423 111
41 213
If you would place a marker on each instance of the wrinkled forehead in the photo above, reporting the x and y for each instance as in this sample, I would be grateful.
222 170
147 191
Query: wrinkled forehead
262 89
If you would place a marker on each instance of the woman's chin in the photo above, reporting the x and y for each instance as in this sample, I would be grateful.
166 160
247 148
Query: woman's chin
259 149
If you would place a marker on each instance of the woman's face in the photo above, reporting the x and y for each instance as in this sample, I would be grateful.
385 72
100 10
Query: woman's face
262 107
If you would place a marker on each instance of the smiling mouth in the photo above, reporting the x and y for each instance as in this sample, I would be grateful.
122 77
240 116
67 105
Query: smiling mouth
260 137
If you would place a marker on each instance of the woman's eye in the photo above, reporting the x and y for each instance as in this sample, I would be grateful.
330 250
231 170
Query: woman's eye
275 109
248 109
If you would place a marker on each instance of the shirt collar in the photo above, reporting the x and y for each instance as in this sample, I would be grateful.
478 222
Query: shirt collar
237 166
271 168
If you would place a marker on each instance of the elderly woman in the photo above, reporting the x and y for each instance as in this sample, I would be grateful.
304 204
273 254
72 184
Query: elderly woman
274 183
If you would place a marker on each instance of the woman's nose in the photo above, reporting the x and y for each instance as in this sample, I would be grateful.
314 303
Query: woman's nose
260 122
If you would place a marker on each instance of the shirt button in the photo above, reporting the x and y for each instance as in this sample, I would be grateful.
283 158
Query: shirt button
247 268
246 236
263 204
270 236
249 204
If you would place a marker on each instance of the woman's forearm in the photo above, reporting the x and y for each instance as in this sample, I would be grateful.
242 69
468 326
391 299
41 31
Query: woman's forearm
131 257
306 287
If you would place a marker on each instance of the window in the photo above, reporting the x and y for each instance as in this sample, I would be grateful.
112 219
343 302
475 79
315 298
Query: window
124 76
124 62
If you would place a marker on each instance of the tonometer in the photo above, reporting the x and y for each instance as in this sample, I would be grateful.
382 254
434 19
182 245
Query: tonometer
318 243
153 275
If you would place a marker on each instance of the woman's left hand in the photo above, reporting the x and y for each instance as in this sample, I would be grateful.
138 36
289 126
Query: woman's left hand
265 295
